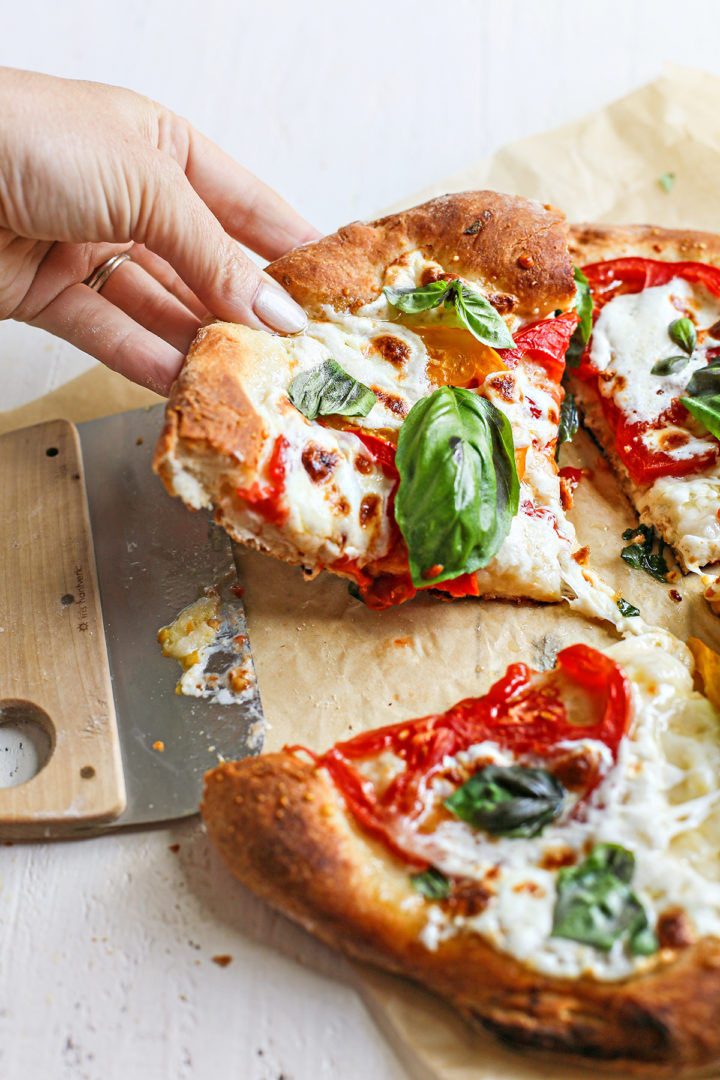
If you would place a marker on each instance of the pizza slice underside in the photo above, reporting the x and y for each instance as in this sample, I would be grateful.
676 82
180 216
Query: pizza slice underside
656 335
545 857
321 492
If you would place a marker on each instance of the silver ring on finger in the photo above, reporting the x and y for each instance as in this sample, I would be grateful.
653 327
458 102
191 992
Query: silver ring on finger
100 274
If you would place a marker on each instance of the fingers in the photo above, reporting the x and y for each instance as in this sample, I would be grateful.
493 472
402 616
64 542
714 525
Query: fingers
248 209
95 325
165 274
179 227
149 303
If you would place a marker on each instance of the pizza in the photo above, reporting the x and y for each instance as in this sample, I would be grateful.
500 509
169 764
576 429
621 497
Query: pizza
406 440
546 856
648 382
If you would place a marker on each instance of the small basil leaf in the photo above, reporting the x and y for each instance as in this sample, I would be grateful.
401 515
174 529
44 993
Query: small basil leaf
643 941
641 555
482 320
575 349
413 300
613 857
682 333
569 421
705 381
640 530
666 181
583 304
706 410
508 800
431 883
626 609
459 488
595 904
327 390
669 365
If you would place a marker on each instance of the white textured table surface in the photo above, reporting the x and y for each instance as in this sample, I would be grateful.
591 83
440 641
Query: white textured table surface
106 945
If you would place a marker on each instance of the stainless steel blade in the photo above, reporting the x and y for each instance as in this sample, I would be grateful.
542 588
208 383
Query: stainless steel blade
154 558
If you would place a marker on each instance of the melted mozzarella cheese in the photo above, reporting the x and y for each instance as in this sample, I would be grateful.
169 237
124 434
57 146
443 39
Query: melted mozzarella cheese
661 800
629 336
687 509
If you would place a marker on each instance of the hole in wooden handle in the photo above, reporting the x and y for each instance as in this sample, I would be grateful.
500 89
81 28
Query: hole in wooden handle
27 740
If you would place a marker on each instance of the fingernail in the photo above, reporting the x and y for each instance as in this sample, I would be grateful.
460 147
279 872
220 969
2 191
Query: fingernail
277 310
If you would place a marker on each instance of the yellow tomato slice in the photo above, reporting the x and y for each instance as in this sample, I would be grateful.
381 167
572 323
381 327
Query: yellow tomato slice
455 357
707 670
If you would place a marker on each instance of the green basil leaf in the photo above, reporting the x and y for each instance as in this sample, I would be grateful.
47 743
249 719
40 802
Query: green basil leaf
327 390
613 857
482 320
666 181
706 410
641 556
575 349
474 312
459 488
413 300
431 883
569 420
705 381
643 941
626 609
645 531
669 365
682 333
508 800
583 304
595 904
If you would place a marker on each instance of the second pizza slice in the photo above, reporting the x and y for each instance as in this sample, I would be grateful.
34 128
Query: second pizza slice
407 439
649 380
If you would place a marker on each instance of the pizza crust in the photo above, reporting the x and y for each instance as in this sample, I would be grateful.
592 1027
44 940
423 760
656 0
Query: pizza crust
598 243
283 830
516 246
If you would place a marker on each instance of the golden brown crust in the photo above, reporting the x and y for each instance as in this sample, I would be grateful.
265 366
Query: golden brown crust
283 830
596 243
516 246
209 409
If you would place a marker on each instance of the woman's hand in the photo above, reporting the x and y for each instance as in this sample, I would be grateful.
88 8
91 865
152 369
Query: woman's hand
88 171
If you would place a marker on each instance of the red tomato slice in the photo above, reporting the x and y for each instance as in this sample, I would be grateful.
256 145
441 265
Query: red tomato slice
523 712
545 341
267 499
631 275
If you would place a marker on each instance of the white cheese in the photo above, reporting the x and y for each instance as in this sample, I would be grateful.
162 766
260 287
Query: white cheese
661 800
631 334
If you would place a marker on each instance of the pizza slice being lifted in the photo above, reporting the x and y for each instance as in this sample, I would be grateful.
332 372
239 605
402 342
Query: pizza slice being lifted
648 382
407 439
545 856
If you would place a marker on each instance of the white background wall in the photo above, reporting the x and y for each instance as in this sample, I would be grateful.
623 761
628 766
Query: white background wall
346 108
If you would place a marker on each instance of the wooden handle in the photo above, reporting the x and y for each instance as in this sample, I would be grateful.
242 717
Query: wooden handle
54 669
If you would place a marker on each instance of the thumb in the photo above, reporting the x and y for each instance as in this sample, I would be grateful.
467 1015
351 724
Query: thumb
176 224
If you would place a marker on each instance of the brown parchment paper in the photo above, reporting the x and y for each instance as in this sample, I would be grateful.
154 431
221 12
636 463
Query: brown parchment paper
328 667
